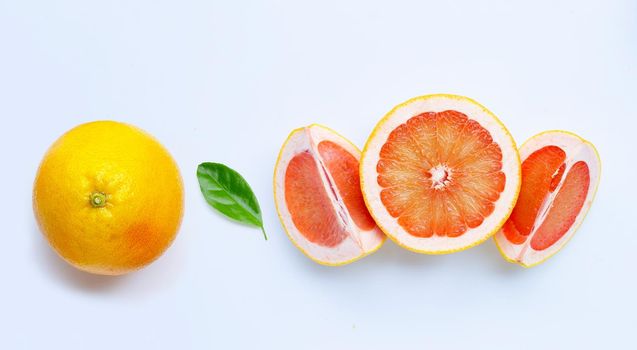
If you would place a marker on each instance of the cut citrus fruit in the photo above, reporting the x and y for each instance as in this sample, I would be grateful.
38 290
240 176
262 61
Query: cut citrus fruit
318 197
560 174
440 173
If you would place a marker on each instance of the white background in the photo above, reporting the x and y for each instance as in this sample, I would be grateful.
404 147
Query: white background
226 81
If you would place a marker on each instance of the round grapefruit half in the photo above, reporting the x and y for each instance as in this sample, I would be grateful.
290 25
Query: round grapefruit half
440 174
318 197
560 174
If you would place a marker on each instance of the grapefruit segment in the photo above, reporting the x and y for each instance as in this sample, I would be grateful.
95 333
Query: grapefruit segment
318 223
538 174
440 173
318 197
560 174
343 167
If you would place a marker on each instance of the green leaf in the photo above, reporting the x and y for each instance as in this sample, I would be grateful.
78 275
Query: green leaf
229 193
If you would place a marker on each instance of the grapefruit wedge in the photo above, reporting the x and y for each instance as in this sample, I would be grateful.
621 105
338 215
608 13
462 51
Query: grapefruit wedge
560 174
440 174
318 197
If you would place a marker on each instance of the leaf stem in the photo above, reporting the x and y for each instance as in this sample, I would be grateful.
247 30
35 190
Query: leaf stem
264 235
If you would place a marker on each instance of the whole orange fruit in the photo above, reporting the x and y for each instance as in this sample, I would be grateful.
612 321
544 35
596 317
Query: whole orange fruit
108 197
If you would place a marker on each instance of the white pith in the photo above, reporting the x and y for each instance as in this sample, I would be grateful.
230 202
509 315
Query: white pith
441 176
510 167
576 149
358 242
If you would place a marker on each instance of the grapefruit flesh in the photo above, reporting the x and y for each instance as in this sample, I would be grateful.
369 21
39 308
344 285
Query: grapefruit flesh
318 197
440 174
450 187
560 172
318 222
539 178
343 167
